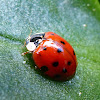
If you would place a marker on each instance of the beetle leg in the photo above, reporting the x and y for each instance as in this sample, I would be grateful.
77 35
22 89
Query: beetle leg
24 53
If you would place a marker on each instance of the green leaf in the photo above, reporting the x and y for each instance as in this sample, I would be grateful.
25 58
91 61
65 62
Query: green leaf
78 21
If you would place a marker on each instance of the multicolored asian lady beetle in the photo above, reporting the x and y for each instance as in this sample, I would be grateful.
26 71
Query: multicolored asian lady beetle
53 55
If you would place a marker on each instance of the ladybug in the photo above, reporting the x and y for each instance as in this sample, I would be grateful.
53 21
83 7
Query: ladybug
53 55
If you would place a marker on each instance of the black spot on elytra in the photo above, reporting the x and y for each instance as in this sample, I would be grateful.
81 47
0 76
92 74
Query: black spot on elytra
64 70
52 34
69 63
59 50
55 64
73 52
44 68
62 42
44 48
57 76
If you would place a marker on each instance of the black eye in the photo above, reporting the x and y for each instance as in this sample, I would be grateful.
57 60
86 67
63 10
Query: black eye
35 39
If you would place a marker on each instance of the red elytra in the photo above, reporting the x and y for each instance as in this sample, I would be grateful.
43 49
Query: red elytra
54 56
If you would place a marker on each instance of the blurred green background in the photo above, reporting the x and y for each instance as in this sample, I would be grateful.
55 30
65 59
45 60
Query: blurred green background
78 21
